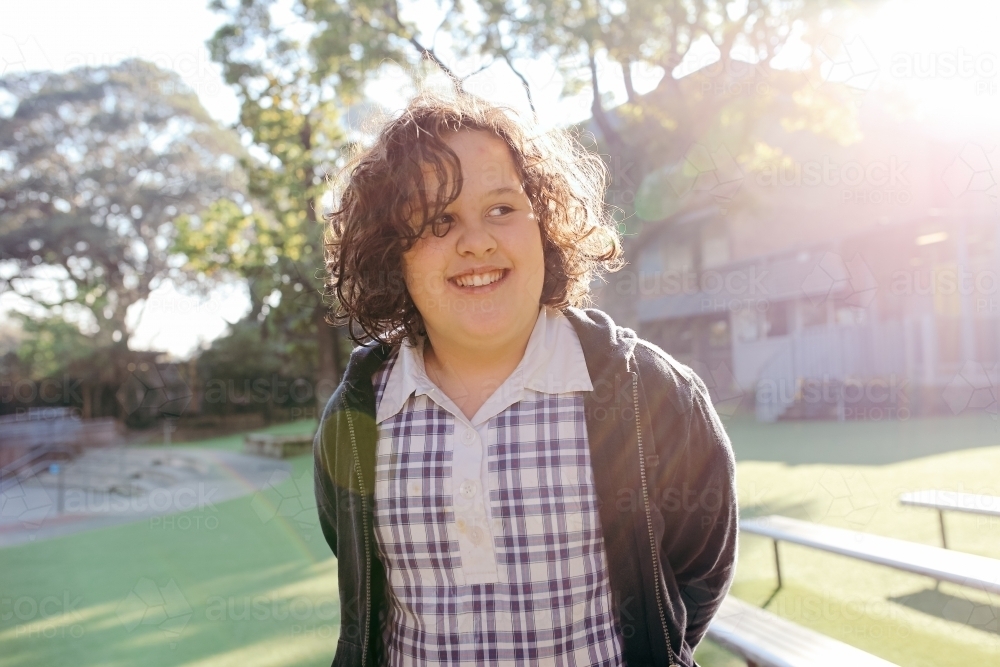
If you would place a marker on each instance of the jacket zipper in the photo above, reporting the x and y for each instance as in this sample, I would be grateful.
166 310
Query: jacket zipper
364 514
649 523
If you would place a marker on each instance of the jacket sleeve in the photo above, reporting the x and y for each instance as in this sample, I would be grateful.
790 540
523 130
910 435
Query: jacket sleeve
324 454
695 473
707 555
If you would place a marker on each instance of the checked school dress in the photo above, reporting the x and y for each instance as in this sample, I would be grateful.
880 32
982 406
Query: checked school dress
488 528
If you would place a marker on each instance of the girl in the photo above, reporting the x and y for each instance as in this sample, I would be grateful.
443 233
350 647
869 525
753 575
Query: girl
506 478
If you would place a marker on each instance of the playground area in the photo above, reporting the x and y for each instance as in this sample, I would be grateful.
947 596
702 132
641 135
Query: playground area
246 578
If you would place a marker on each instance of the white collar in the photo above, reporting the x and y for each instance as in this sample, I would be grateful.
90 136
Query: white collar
553 363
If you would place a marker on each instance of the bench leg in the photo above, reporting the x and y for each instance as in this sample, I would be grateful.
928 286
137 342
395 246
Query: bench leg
944 537
777 565
777 571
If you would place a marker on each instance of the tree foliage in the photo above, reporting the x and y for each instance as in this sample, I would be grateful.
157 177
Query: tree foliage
95 164
301 68
291 116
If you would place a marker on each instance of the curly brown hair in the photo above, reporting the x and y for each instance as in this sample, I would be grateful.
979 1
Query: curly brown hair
384 206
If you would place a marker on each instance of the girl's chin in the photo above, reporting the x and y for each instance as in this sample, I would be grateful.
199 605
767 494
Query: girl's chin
484 324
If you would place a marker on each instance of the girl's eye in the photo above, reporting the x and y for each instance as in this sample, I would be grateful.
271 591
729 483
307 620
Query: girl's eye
441 225
503 210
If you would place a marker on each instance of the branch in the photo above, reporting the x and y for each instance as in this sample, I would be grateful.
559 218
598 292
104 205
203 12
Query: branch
735 28
392 9
505 54
478 70
524 82
430 55
36 298
597 108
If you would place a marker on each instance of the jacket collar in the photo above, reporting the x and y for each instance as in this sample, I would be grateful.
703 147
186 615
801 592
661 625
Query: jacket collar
553 363
607 349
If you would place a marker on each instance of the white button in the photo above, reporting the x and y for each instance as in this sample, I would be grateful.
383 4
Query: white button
468 488
468 437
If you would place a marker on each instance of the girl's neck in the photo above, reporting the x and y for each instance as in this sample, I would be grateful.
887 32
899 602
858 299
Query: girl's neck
470 375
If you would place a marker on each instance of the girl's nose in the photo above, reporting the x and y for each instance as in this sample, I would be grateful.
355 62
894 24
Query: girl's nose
474 238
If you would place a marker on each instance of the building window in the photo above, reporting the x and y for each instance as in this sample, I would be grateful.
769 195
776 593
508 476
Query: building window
849 316
776 319
714 251
812 314
679 258
746 325
718 333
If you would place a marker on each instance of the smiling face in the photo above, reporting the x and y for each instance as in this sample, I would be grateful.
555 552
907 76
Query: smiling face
479 285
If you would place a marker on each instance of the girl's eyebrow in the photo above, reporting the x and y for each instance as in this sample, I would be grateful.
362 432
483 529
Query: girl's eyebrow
506 190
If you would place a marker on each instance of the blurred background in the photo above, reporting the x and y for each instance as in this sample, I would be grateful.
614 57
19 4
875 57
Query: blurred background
809 196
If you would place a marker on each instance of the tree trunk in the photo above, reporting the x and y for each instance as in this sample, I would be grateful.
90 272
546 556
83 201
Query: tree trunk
87 412
328 344
627 76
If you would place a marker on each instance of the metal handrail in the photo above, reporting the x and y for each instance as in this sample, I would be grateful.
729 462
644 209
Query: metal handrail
16 470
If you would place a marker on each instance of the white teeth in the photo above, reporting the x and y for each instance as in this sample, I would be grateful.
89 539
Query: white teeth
479 279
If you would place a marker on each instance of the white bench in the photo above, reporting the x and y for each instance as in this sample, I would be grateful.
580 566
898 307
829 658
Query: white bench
766 640
941 564
945 501
277 446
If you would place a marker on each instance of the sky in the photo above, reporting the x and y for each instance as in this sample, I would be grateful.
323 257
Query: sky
905 44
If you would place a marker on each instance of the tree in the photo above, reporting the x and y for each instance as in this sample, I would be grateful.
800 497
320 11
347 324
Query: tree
341 46
682 150
95 164
293 93
730 100
38 369
296 81
251 369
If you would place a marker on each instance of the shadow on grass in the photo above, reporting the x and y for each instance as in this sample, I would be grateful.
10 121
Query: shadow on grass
250 590
957 608
799 509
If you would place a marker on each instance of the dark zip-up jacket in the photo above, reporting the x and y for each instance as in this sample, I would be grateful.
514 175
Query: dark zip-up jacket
664 475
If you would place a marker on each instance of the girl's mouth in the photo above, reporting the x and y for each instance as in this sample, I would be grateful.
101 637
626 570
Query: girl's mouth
480 282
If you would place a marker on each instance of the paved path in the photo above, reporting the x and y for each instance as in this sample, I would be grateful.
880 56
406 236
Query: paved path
107 487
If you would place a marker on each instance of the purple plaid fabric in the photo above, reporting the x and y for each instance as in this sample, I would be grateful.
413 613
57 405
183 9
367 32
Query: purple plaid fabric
552 603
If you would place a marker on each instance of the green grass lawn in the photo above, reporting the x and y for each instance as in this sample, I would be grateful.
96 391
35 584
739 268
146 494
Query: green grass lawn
850 475
251 581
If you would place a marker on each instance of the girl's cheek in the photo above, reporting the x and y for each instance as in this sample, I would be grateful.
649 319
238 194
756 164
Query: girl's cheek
425 274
